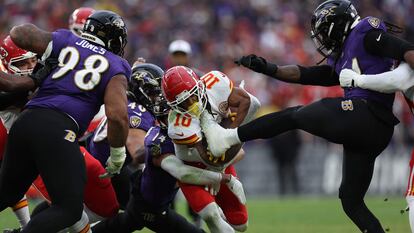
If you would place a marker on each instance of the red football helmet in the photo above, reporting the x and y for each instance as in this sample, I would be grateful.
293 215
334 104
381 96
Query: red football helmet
180 83
78 19
10 54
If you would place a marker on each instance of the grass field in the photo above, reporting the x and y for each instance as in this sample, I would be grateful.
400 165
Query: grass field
301 215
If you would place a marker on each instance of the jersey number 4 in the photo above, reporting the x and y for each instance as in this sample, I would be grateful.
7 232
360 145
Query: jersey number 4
94 66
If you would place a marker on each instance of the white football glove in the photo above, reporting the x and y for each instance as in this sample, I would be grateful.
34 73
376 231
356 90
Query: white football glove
349 78
115 162
236 187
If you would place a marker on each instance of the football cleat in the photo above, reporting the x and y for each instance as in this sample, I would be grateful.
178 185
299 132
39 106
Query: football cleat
216 135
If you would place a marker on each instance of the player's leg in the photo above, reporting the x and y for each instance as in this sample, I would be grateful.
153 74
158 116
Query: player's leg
169 221
40 207
125 222
121 185
409 195
81 226
61 166
202 202
235 212
99 195
337 120
356 177
21 210
18 169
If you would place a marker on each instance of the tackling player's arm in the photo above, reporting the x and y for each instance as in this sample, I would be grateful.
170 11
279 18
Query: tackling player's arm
135 145
188 174
29 37
15 83
323 75
115 101
18 83
400 79
381 43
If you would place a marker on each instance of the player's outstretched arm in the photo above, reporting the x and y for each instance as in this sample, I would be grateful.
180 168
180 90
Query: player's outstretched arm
15 83
323 75
115 101
399 79
383 44
18 83
135 146
29 37
192 175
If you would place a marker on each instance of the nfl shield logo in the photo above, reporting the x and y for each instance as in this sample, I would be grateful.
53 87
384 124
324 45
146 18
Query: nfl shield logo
374 22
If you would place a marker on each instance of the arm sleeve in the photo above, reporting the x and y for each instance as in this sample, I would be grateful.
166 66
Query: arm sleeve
399 79
323 75
189 174
383 44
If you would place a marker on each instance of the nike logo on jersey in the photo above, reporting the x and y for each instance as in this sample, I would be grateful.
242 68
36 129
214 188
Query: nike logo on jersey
180 134
379 37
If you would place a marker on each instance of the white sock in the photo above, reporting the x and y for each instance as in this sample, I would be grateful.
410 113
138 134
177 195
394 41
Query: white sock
21 210
410 201
81 226
211 215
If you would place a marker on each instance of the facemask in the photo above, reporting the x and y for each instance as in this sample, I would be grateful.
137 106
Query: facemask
195 109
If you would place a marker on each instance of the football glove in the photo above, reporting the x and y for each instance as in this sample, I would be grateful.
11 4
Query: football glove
258 64
115 162
42 70
236 187
349 78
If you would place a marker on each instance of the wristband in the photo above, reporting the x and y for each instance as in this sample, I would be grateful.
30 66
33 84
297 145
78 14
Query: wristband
117 153
271 69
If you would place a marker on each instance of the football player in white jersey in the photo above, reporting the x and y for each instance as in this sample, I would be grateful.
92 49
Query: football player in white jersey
400 79
211 96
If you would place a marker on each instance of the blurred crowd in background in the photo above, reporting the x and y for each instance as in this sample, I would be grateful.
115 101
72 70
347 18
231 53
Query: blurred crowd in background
220 31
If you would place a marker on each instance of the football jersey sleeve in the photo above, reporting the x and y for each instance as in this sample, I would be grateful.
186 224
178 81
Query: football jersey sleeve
139 117
218 89
184 130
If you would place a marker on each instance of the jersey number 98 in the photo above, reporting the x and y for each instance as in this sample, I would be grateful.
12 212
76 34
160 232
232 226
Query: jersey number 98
94 66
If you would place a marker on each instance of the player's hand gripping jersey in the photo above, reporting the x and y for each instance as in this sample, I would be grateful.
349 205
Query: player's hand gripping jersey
185 130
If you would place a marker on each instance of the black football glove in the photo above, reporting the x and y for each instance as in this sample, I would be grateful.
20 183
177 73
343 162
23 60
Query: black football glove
258 64
43 69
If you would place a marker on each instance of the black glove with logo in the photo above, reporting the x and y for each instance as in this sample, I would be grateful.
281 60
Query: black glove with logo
258 64
43 69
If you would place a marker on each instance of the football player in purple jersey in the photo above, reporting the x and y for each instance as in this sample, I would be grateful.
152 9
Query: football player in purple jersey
91 72
362 121
140 90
